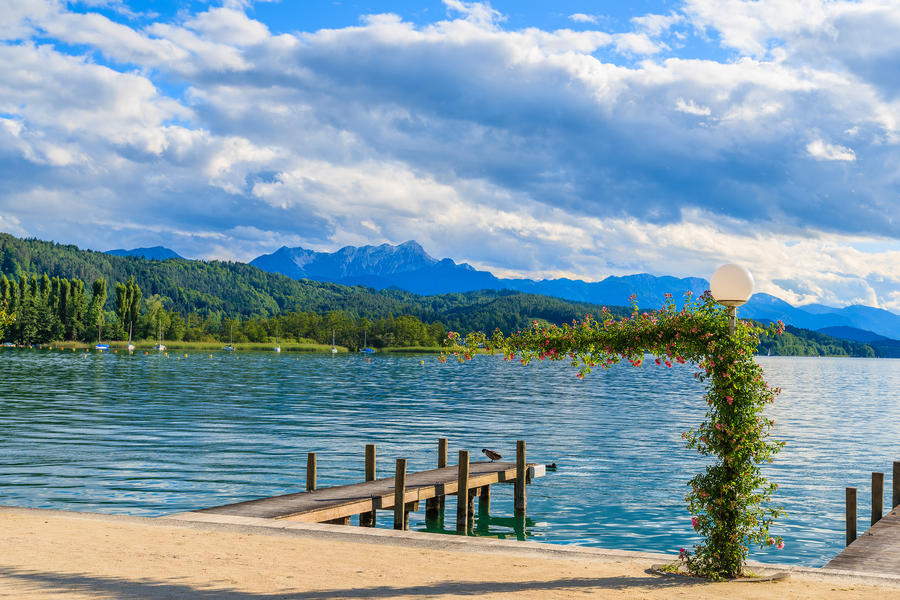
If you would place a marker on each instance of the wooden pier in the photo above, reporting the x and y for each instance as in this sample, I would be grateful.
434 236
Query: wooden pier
878 549
400 494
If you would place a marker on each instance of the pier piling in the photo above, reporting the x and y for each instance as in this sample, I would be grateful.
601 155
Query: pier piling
895 484
311 472
367 519
877 497
521 501
401 515
462 501
851 514
434 507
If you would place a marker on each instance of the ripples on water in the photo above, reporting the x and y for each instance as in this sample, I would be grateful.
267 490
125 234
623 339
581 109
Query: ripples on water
150 435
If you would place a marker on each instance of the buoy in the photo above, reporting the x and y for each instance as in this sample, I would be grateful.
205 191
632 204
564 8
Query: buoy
421 362
115 351
368 360
167 355
145 352
185 355
210 355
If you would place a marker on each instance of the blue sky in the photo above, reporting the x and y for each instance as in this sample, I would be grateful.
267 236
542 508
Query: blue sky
576 139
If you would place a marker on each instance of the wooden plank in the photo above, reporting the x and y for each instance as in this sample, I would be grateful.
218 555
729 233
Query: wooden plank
875 551
341 501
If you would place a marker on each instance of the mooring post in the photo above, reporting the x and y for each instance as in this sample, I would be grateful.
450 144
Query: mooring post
484 501
434 507
521 471
311 472
877 497
401 517
462 493
851 515
895 484
367 519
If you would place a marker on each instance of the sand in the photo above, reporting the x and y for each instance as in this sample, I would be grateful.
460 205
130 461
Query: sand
52 554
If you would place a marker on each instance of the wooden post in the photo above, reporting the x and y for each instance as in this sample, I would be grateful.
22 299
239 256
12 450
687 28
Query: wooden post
851 515
400 518
484 501
442 453
462 493
877 497
895 483
311 472
367 519
521 471
434 507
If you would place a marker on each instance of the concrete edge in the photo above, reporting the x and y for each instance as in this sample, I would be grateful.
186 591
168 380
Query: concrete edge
436 541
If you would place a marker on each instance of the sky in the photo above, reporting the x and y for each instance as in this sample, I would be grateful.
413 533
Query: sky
532 139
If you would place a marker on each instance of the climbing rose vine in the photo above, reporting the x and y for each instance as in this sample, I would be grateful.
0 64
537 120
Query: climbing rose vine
730 501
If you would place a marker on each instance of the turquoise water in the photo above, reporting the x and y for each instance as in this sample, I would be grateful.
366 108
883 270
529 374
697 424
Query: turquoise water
150 435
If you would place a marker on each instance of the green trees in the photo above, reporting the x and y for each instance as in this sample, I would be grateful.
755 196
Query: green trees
128 305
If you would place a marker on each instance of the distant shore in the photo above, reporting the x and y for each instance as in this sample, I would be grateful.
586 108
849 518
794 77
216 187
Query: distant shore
149 345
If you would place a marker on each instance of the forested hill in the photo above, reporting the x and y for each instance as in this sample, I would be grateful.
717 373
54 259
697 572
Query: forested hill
237 290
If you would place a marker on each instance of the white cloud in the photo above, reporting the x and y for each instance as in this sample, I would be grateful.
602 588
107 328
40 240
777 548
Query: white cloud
820 150
583 18
528 152
692 108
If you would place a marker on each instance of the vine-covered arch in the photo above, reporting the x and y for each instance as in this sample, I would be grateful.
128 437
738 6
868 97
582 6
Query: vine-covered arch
730 502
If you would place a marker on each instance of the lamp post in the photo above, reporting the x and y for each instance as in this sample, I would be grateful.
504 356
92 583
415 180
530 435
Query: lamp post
731 285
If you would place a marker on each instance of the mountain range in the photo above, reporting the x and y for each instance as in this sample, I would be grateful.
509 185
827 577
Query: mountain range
154 253
409 267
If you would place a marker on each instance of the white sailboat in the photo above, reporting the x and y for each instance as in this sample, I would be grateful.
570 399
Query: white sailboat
277 347
159 340
230 346
130 344
333 348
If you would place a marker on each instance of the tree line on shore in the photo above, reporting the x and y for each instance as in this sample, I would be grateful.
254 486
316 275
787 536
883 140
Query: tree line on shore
45 309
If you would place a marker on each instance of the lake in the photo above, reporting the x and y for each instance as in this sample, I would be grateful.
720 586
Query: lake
151 435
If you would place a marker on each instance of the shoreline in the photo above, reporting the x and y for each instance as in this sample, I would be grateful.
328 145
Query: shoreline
147 346
61 554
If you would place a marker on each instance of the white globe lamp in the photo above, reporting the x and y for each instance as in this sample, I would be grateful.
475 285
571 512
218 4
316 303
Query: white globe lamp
731 285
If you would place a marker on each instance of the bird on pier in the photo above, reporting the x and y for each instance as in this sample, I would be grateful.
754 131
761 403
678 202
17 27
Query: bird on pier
491 454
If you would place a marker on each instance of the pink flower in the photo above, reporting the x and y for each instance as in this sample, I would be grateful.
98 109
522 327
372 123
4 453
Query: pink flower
580 375
695 522
730 400
780 545
682 553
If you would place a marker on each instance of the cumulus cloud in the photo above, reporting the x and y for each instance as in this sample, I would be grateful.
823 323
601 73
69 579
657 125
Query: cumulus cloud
822 151
529 151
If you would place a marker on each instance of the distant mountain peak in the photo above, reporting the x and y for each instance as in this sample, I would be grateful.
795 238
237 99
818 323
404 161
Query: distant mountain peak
154 253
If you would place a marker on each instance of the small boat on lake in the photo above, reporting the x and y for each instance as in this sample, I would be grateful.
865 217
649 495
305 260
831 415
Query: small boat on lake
100 345
230 346
159 340
130 345
333 348
365 350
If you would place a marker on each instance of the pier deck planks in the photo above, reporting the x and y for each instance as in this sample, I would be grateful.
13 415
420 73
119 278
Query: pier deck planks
346 500
875 551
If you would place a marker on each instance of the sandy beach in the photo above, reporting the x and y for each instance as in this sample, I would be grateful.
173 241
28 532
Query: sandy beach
53 554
